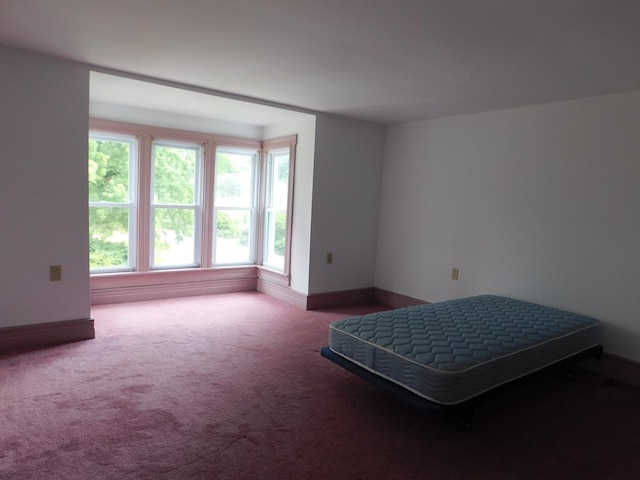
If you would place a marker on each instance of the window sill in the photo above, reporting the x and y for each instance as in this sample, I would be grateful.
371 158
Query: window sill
103 281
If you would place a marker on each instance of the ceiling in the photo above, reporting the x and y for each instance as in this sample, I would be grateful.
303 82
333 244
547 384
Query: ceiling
379 60
182 104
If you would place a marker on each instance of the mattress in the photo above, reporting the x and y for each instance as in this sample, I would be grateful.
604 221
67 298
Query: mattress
452 351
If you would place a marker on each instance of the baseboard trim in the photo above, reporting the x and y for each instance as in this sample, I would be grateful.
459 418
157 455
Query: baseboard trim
157 292
156 285
46 334
282 292
614 367
341 298
394 300
315 301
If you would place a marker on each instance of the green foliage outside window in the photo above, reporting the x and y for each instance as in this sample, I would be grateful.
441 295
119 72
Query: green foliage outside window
174 183
231 171
280 234
108 182
233 228
107 254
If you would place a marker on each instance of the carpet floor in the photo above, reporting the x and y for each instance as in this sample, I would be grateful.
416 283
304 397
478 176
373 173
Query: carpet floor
233 387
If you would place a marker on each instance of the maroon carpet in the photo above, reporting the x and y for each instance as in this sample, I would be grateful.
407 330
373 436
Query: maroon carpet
233 387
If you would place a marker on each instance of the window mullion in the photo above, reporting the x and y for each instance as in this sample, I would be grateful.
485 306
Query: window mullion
206 211
177 206
111 204
289 212
260 205
144 204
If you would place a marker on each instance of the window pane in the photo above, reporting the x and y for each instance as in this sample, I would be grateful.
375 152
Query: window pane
109 170
234 179
232 240
275 227
108 237
276 238
280 181
174 174
174 236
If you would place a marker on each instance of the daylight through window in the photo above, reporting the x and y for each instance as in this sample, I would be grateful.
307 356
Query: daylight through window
234 207
276 203
175 204
112 193
166 199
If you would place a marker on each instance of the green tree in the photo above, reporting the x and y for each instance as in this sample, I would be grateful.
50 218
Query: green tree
224 164
174 179
174 174
233 228
108 182
174 183
280 233
108 174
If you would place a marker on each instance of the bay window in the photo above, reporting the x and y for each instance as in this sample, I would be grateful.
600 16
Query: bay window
166 199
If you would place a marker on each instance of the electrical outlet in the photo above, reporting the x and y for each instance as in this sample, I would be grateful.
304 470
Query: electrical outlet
55 273
329 258
454 273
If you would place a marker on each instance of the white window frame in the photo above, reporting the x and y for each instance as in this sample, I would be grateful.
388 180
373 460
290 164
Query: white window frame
269 233
253 233
141 270
270 148
196 206
131 205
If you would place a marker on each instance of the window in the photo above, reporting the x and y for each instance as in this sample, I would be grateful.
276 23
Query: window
234 207
165 199
276 208
175 204
112 207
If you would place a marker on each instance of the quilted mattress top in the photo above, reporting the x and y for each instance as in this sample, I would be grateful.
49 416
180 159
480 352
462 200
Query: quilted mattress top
459 334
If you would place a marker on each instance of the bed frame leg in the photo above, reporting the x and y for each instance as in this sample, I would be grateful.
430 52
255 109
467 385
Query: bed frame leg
597 352
572 365
570 373
462 417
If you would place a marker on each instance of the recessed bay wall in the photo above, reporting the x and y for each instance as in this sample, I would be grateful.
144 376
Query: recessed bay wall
44 213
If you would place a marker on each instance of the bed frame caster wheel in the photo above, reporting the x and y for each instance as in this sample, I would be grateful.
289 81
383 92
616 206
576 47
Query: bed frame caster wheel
463 420
464 424
570 373
598 352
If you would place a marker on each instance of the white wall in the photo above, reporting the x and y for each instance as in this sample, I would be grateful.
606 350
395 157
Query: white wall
538 203
160 118
43 189
305 128
346 191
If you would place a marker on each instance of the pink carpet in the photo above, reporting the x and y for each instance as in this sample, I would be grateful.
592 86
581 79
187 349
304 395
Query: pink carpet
233 387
